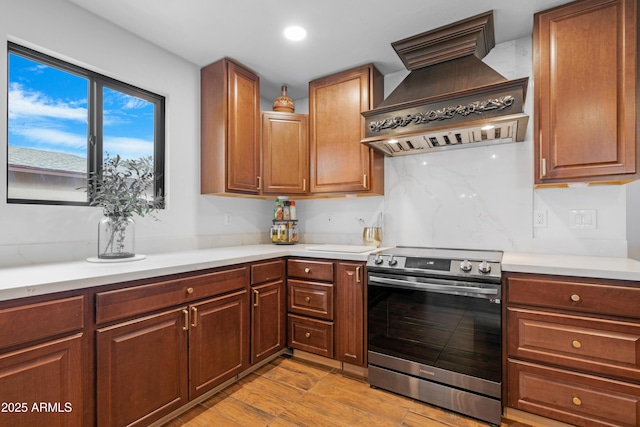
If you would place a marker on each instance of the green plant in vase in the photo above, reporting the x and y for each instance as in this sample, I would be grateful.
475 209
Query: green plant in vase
122 189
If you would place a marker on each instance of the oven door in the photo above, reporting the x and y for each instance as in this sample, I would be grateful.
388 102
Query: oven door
450 325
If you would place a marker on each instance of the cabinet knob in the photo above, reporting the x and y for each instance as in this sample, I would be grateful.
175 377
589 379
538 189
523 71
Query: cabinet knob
308 334
307 299
189 291
576 344
575 297
576 401
307 270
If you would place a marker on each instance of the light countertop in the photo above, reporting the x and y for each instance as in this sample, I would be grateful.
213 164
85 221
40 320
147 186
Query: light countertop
572 265
24 281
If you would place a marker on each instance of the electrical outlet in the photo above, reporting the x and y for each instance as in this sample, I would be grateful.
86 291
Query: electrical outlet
227 218
540 218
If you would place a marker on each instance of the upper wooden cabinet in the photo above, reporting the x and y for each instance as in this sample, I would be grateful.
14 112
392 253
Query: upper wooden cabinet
230 129
339 162
585 59
285 147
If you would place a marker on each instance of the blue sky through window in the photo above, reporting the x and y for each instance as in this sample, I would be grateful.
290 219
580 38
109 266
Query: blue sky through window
48 111
47 108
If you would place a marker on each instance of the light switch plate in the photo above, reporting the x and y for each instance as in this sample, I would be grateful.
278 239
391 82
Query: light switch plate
583 218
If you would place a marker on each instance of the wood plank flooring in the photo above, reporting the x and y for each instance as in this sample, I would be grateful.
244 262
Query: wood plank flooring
290 392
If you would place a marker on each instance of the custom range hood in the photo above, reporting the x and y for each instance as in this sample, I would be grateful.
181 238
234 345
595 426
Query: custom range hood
450 99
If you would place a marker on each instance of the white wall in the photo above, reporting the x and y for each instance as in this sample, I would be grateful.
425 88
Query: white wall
479 197
37 233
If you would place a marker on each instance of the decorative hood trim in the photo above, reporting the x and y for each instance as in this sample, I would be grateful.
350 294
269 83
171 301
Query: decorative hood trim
451 99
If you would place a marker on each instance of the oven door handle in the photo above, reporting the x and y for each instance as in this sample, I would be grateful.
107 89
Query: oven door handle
436 287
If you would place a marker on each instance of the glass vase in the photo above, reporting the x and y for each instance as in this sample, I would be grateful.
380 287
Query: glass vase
116 237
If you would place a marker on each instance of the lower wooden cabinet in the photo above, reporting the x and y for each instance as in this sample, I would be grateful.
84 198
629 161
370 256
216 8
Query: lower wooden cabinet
44 357
42 385
150 365
350 319
572 349
218 341
327 308
268 309
142 369
268 322
576 398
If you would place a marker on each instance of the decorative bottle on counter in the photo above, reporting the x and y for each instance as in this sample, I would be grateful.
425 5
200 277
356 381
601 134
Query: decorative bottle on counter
292 210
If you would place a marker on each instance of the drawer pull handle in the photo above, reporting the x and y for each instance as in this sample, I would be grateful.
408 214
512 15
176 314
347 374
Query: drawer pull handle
358 268
576 401
307 299
307 270
189 291
256 298
307 334
575 297
576 344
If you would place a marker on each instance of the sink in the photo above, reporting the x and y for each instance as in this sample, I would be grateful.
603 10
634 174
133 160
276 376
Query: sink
341 248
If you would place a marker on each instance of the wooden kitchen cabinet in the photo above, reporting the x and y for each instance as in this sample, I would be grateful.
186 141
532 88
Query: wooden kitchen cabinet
326 306
43 354
218 341
585 74
350 316
269 309
339 162
310 307
151 363
285 148
142 369
230 129
572 348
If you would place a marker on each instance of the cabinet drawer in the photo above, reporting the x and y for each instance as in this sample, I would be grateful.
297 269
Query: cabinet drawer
313 336
32 322
310 270
580 399
578 295
122 303
311 299
600 346
267 271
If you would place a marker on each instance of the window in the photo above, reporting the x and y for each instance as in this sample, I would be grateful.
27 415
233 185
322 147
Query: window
64 120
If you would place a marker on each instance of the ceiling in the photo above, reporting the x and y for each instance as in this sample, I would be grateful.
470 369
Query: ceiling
340 33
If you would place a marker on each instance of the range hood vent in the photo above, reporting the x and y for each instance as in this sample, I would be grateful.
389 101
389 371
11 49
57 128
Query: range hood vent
450 99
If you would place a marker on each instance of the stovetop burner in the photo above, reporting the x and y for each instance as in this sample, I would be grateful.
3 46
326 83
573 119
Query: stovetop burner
479 265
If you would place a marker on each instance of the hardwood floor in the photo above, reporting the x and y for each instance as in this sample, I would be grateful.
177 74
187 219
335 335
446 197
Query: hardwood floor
289 392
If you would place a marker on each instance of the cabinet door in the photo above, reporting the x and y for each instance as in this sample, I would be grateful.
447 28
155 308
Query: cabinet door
243 161
350 320
42 385
142 369
285 144
585 92
268 322
339 162
218 341
229 129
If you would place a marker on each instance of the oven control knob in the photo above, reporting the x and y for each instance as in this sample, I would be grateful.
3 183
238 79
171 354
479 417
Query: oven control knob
465 266
393 261
484 267
377 260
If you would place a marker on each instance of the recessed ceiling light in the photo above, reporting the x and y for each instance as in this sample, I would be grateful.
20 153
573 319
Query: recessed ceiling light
295 33
487 127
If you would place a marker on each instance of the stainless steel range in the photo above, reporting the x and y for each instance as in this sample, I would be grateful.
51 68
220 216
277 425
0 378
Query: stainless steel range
434 327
